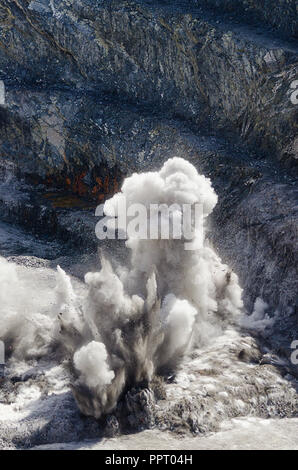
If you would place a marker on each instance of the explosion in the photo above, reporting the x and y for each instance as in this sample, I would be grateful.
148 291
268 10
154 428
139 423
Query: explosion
136 321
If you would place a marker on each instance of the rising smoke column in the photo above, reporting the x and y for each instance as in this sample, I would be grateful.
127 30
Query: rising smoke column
132 321
142 319
27 323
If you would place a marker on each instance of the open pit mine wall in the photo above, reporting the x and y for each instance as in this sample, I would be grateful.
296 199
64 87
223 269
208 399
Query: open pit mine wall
281 15
189 62
97 89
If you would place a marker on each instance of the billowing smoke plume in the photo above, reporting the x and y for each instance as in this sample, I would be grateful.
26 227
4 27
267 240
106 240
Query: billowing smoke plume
140 320
26 302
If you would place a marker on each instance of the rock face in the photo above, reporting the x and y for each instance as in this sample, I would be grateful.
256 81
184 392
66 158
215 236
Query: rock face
280 15
194 63
98 89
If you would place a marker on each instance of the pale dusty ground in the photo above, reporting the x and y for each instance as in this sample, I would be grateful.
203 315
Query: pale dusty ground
238 434
213 376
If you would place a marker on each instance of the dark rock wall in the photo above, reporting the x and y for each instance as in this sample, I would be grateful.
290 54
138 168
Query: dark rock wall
280 15
218 75
98 89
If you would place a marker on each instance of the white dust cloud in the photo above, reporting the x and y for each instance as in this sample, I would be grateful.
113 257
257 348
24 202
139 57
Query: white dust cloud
133 321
